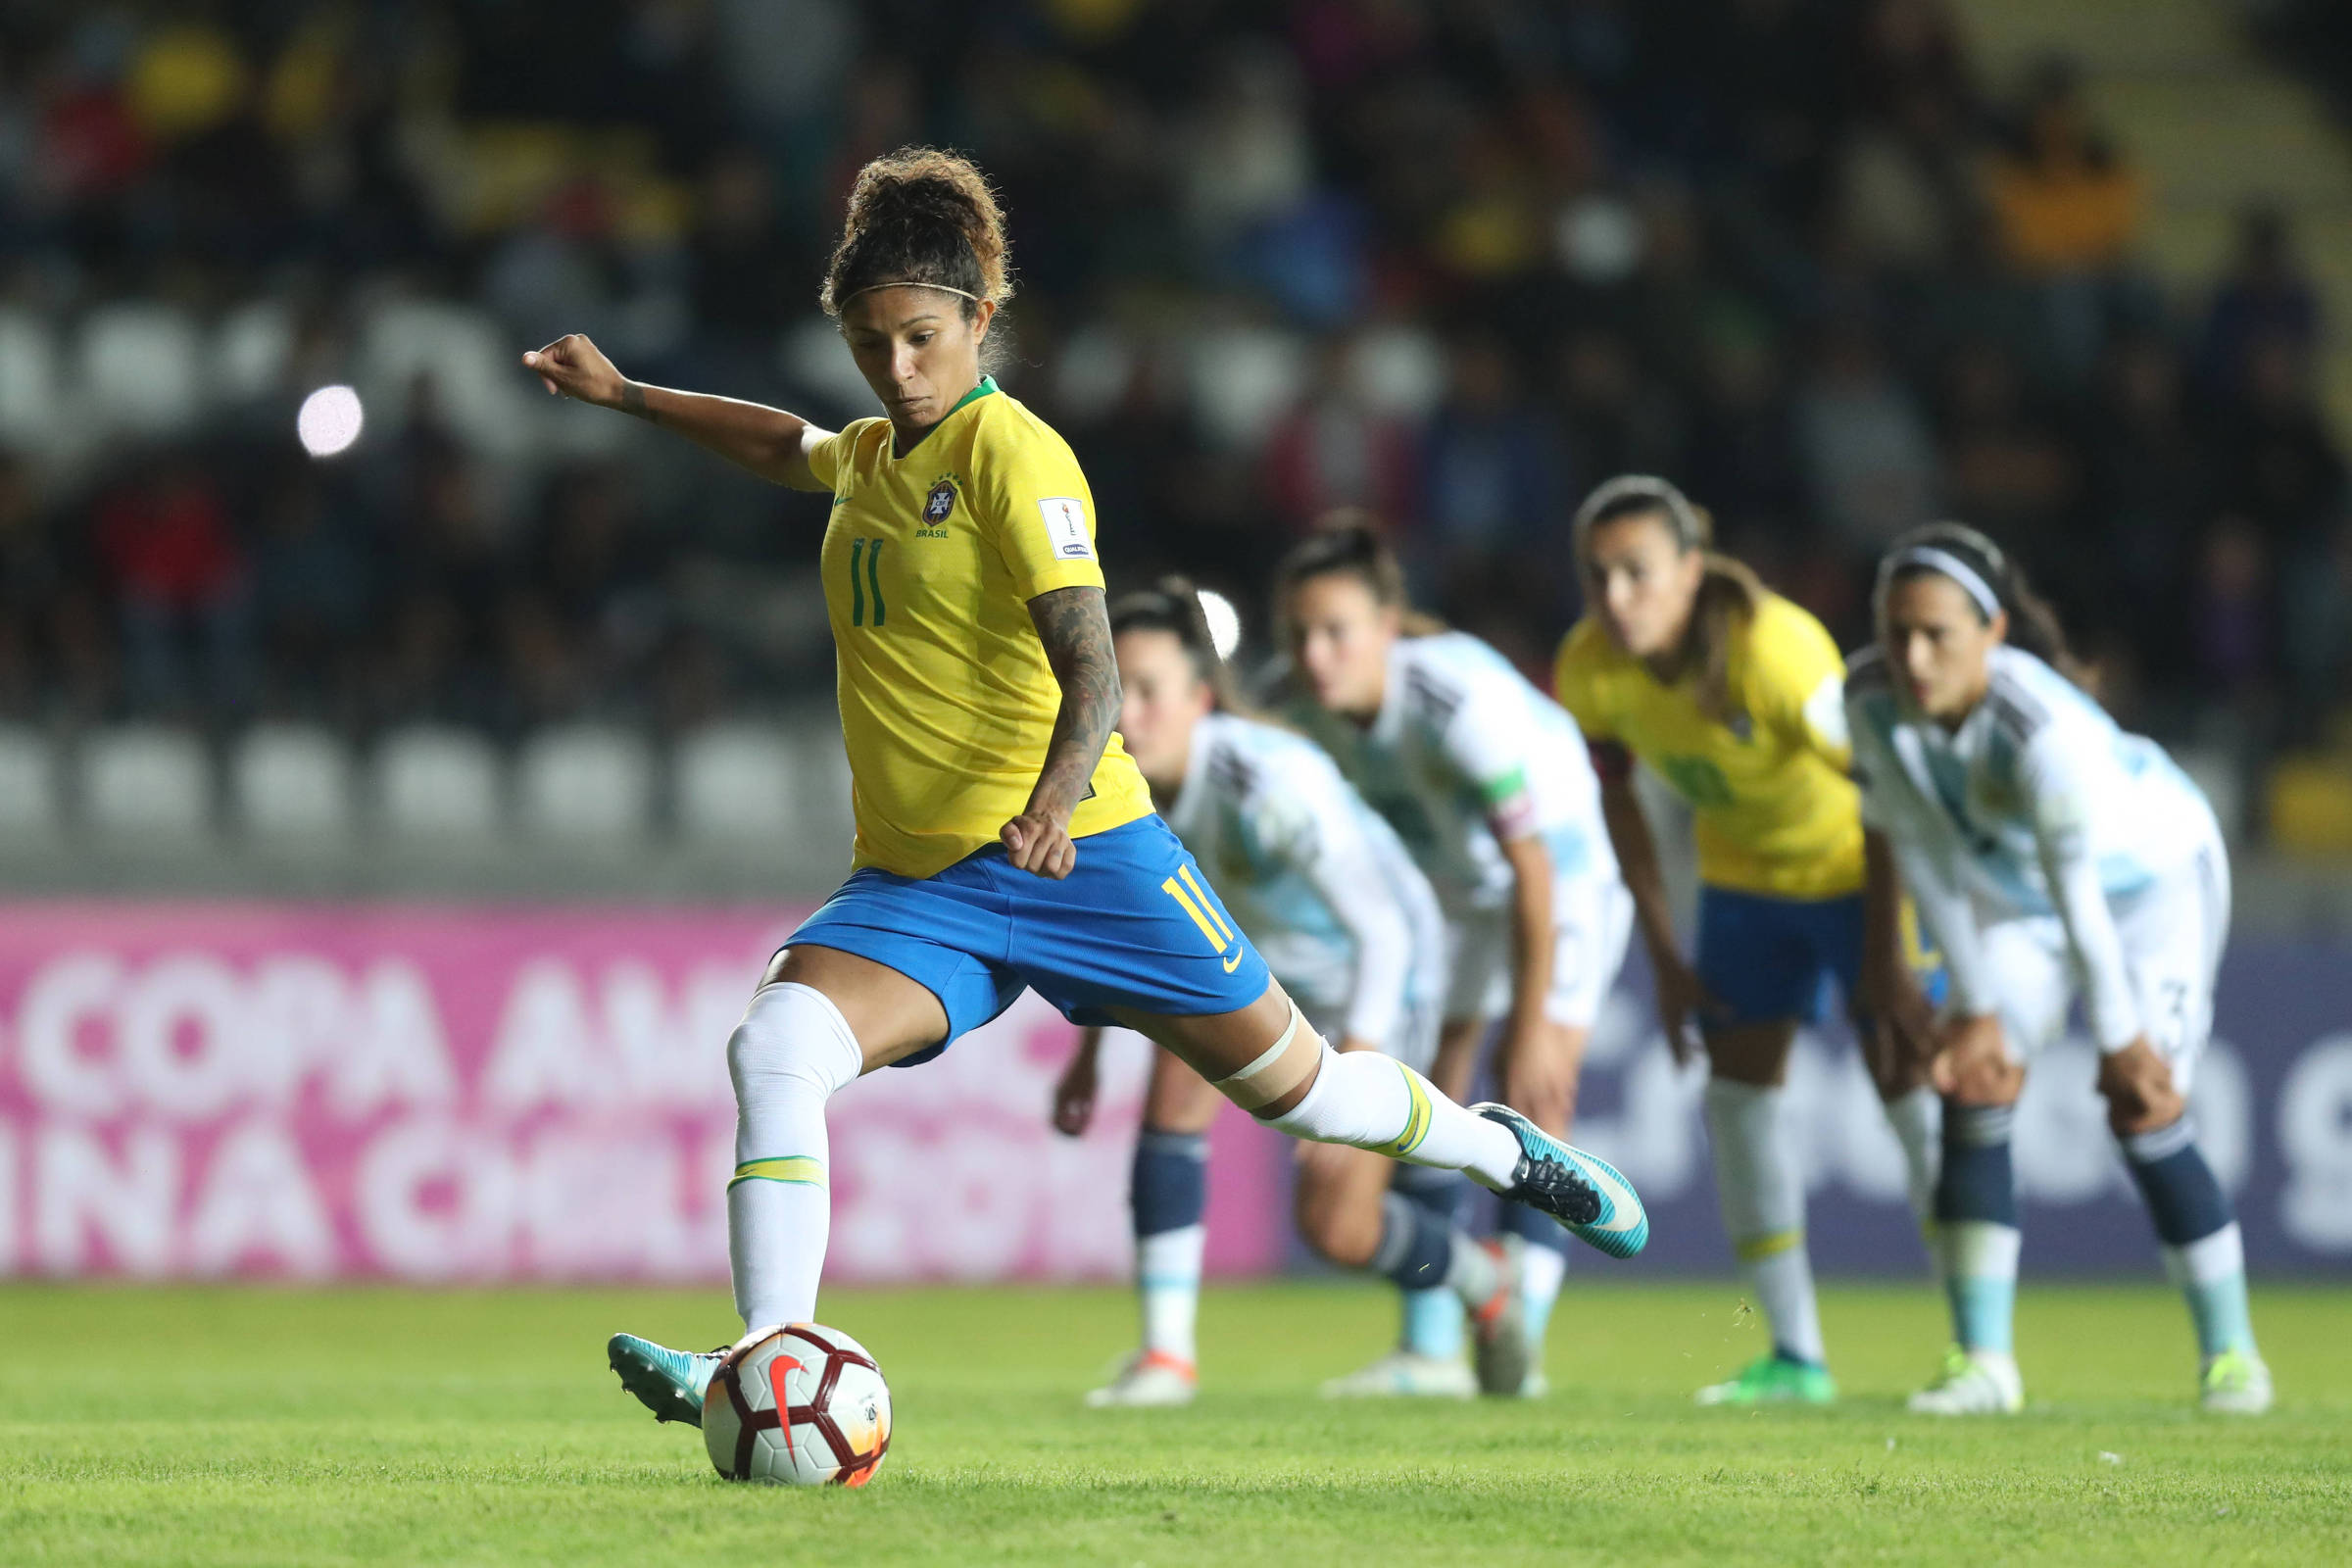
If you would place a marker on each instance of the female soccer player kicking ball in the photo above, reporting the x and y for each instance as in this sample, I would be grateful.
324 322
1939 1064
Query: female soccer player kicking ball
1486 782
1005 838
1352 931
2047 849
1734 697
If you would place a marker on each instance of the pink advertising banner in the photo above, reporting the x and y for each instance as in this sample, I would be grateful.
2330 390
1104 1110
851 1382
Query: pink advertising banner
470 1093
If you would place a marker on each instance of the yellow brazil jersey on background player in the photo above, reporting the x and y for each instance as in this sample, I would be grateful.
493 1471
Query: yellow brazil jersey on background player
1773 811
930 562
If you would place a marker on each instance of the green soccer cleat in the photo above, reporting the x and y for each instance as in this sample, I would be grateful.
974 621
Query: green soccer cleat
1590 1197
669 1382
2234 1382
1774 1380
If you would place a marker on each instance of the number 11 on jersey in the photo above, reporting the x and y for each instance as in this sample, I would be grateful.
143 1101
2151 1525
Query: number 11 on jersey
865 580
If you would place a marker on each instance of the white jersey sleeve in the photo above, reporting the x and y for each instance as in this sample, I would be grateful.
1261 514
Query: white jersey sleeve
1488 742
2058 795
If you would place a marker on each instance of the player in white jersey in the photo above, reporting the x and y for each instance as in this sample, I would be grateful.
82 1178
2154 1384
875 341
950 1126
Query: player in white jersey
2049 853
1491 786
1324 889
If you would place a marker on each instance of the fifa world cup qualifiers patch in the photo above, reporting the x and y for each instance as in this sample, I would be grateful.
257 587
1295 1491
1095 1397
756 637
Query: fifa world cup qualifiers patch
1065 528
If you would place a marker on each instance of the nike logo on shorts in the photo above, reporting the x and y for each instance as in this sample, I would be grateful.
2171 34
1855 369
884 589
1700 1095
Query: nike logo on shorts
1233 964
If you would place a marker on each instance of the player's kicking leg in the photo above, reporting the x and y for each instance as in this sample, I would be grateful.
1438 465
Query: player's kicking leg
1265 1059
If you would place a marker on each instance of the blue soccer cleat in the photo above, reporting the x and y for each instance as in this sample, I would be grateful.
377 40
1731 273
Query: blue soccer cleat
669 1382
1585 1192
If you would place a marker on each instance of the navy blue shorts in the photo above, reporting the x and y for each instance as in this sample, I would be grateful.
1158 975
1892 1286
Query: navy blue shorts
1134 925
1768 959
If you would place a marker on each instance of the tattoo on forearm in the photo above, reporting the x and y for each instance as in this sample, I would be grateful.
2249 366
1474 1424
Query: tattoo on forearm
1075 627
632 401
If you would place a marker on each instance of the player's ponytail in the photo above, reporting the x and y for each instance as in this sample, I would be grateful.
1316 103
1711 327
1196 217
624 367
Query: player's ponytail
1346 542
1992 581
1173 605
924 216
1728 592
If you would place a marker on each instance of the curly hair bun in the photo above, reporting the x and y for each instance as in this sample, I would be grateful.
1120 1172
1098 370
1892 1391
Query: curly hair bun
921 216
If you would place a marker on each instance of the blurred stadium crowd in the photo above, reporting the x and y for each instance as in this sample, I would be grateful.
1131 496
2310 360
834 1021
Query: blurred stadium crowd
1451 262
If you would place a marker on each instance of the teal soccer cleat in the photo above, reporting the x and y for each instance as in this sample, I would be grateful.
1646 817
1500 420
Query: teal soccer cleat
669 1382
1585 1192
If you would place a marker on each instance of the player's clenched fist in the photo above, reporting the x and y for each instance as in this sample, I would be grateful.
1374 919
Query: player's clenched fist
575 368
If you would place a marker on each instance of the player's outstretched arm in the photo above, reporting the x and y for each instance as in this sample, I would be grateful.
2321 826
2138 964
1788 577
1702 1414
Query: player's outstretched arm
770 442
1075 627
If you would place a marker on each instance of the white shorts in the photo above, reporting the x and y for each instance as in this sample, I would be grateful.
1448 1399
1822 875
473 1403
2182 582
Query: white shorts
2172 935
1591 918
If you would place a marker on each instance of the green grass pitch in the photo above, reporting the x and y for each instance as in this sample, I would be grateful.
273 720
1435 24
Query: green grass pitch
262 1426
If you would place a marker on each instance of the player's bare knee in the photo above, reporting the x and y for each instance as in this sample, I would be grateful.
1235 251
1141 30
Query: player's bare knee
1987 1078
1340 1232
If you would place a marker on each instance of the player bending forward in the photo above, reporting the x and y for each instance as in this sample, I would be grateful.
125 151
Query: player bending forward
1733 696
1005 838
1488 783
2047 848
1352 931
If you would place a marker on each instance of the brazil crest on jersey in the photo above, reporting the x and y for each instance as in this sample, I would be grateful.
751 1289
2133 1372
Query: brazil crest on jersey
930 561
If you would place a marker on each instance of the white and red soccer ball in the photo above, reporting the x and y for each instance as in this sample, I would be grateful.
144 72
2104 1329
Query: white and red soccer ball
800 1406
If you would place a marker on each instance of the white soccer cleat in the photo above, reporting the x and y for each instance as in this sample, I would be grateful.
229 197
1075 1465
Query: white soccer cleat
1151 1378
1409 1375
1973 1382
2234 1382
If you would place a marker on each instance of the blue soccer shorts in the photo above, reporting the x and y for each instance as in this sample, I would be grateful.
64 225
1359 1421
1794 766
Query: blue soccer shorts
1135 925
1767 958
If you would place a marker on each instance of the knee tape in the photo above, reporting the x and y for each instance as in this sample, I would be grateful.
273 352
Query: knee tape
1281 1067
790 1037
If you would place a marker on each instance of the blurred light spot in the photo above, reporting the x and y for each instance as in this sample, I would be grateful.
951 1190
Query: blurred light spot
1224 621
329 421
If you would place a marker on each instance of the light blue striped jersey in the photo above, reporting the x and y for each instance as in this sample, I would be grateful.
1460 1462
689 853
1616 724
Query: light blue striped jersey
2037 765
1464 747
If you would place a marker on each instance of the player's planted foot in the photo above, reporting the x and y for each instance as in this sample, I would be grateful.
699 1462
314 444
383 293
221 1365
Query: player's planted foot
669 1382
1405 1374
1585 1192
2234 1382
1499 1350
1150 1378
1774 1380
1973 1382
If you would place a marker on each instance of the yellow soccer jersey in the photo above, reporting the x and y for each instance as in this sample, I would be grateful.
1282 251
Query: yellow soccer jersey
1775 811
930 562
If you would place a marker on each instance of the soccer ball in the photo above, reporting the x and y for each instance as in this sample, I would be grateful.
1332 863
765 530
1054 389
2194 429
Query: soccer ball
800 1406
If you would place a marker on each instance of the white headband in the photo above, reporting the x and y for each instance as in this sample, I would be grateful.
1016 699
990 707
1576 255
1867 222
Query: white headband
908 283
1952 566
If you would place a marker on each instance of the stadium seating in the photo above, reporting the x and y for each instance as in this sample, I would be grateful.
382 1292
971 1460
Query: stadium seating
149 782
28 380
438 785
735 784
585 784
141 369
292 782
28 798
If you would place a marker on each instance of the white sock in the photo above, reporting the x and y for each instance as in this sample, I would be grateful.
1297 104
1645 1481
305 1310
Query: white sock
1369 1101
1764 1210
788 1056
1471 1271
1167 1272
1917 1122
1541 1271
